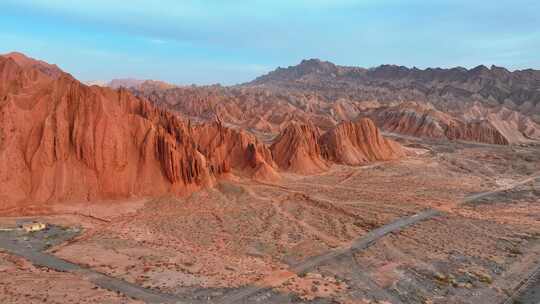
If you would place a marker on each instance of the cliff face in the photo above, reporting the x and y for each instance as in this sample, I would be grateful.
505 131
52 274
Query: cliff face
480 131
297 149
61 140
226 149
515 127
411 119
360 142
64 141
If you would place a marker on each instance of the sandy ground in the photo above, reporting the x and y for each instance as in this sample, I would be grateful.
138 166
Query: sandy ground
244 233
20 282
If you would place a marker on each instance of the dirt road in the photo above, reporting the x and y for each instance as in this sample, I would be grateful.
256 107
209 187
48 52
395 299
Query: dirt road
359 244
38 258
474 197
528 290
311 263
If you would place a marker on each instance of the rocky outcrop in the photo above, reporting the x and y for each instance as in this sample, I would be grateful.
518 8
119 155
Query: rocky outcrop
297 149
356 143
478 131
35 66
67 141
514 126
411 119
421 120
302 149
226 148
259 110
72 142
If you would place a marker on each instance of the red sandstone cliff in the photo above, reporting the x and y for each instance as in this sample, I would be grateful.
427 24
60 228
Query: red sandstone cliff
226 148
61 140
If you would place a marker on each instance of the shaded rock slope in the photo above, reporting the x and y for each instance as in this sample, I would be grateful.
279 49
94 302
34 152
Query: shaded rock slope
297 148
61 140
356 143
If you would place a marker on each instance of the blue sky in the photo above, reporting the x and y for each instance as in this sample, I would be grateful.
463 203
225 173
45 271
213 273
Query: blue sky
232 41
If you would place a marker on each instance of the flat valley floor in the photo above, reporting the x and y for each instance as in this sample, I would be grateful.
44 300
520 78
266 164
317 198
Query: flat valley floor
451 223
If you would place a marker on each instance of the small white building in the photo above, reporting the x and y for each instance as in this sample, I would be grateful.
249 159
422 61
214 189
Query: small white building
33 227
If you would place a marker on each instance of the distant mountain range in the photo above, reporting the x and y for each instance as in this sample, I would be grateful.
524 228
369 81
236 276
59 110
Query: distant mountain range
452 89
490 105
480 104
518 90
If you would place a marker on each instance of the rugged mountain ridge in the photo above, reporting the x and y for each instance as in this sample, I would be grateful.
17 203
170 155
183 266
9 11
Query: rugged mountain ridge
496 126
257 109
423 121
68 141
72 142
268 111
518 90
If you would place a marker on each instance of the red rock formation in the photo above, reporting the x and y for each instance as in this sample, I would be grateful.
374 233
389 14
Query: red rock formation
297 149
253 109
447 88
514 126
67 141
61 140
411 119
325 94
478 131
226 148
29 64
355 143
424 121
302 149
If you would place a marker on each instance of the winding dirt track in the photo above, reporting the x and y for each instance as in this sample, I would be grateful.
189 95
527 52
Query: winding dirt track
99 279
